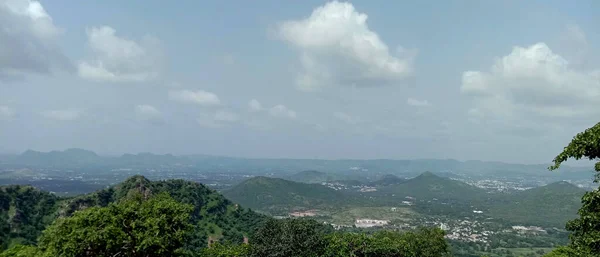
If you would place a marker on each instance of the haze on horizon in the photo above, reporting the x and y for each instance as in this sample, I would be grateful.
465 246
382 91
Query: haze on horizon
507 81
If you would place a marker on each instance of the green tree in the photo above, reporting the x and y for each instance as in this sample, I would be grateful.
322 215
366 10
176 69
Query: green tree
226 250
289 237
134 227
21 251
585 230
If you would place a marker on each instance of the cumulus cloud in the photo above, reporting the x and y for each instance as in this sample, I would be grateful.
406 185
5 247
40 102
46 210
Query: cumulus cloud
418 103
533 83
225 116
199 97
62 115
118 59
28 40
217 119
6 113
338 48
281 111
347 118
254 105
278 111
148 113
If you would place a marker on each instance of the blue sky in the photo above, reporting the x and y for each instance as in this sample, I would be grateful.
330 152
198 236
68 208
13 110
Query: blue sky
505 80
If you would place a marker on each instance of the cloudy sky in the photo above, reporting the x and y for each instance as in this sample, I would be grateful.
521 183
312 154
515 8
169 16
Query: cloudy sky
490 80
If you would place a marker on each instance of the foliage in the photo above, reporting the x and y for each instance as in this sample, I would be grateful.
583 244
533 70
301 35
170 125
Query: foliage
158 226
585 236
424 242
289 237
584 145
226 250
24 213
263 193
21 251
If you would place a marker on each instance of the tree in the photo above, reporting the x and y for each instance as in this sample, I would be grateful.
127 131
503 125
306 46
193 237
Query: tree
425 242
21 251
585 230
134 227
289 237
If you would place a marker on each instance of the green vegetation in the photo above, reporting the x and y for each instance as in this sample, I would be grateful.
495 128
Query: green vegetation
140 218
585 230
428 186
24 213
277 195
311 177
558 202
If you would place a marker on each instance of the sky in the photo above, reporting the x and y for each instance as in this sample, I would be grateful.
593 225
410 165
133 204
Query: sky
509 81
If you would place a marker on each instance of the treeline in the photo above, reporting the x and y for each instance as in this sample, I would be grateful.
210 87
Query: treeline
158 225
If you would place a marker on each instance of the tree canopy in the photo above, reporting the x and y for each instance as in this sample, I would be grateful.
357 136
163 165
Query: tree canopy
134 227
585 230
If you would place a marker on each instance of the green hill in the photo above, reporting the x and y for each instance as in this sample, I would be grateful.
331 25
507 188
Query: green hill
26 211
388 180
550 205
311 177
276 195
429 186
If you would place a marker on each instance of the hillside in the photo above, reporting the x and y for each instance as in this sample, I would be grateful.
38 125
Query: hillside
551 205
388 180
73 156
429 186
28 211
311 177
24 212
275 194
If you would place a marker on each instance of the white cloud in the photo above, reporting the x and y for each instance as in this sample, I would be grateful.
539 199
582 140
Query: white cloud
28 40
533 82
62 115
225 116
199 97
347 118
337 47
117 59
148 113
254 105
280 111
415 102
6 113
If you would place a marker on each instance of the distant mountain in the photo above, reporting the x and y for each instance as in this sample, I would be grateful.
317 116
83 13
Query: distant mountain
275 194
144 159
428 186
73 156
311 177
26 211
388 180
551 205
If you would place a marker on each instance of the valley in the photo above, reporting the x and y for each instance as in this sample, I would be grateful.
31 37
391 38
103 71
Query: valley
476 216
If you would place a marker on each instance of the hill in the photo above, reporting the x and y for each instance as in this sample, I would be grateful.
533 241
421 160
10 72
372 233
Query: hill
73 156
28 211
277 195
388 180
311 177
429 186
550 205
